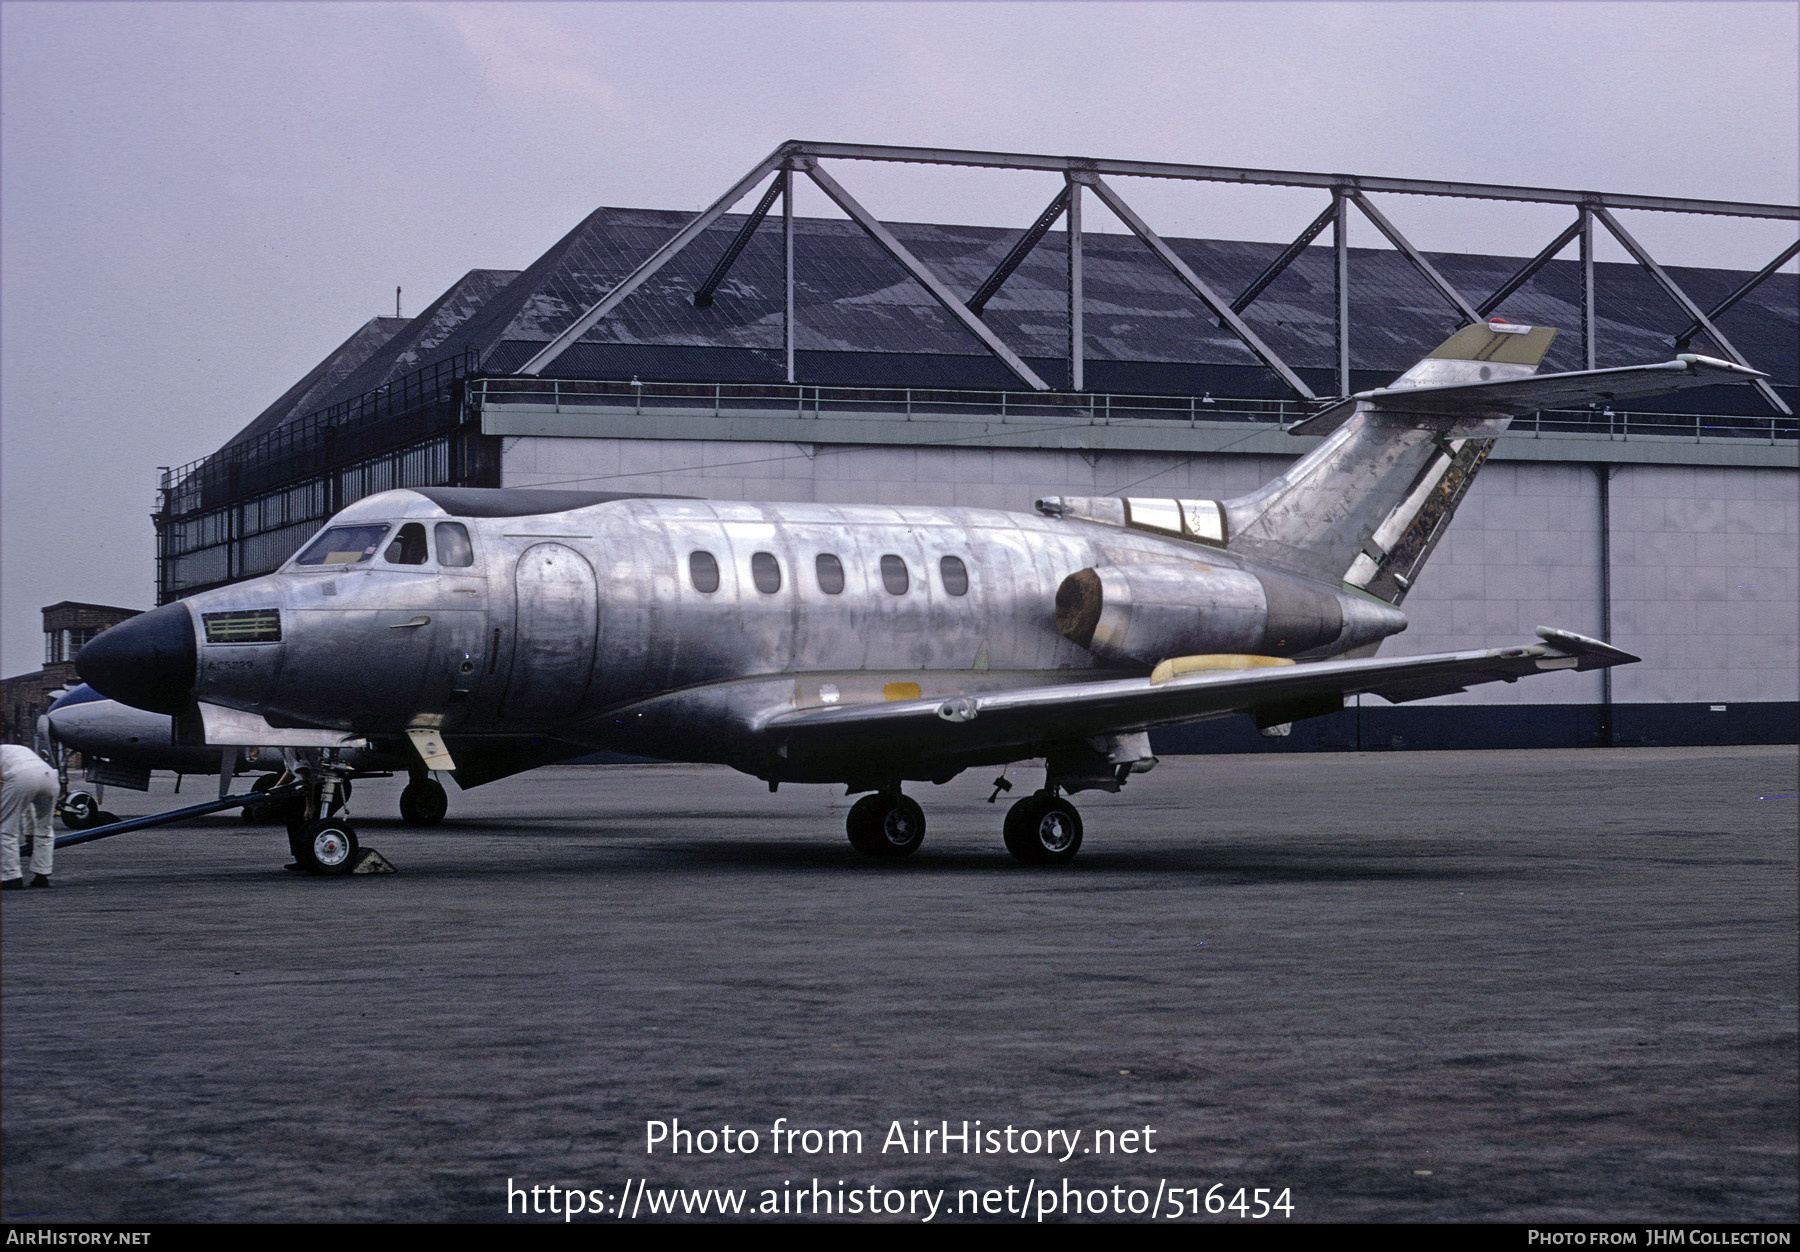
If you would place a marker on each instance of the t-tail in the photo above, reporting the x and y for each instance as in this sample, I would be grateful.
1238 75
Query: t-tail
1367 506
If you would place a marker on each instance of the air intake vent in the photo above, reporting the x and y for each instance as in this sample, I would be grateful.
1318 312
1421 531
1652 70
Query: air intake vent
243 626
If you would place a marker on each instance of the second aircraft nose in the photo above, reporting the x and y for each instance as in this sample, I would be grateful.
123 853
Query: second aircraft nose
147 661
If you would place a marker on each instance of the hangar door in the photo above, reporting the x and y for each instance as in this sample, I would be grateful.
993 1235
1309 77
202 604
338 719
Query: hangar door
554 624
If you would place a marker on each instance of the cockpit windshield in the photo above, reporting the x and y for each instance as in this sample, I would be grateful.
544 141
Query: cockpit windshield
343 545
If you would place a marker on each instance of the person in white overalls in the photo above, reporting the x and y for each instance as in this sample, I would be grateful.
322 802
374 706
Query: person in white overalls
27 799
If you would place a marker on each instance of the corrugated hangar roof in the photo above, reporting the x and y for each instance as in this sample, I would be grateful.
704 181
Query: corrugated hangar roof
311 392
425 338
864 320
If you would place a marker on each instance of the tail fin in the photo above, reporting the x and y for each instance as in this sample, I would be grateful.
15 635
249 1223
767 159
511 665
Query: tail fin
1369 503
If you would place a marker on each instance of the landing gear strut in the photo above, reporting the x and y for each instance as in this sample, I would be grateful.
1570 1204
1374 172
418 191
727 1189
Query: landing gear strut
321 843
886 825
1043 829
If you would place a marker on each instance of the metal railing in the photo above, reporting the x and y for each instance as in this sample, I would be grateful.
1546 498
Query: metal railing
909 403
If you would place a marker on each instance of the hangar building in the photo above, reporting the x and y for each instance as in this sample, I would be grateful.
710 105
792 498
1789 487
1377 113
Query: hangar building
772 356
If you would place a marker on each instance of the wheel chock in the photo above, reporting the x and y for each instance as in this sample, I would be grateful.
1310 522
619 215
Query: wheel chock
369 861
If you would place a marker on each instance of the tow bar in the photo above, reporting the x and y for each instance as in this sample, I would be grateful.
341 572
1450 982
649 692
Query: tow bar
176 815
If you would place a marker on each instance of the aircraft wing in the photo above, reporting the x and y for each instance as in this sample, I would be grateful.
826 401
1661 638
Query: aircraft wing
1515 396
1075 711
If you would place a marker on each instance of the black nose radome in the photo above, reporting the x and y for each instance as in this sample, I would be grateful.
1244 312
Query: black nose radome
146 661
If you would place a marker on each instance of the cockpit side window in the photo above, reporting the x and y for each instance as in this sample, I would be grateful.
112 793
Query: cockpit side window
453 546
408 547
343 545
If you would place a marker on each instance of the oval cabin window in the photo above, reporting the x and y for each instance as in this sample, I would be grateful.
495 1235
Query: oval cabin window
765 571
955 575
893 574
704 570
831 574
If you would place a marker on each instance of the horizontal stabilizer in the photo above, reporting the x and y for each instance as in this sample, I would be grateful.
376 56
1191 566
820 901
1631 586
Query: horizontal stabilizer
1511 397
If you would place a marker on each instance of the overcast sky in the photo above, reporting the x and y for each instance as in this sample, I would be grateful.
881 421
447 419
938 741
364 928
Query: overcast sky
198 201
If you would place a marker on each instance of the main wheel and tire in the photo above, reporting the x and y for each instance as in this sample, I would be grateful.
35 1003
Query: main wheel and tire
326 846
424 803
1043 830
887 827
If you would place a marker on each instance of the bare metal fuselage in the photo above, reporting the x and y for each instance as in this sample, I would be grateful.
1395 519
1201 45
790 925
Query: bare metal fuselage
587 625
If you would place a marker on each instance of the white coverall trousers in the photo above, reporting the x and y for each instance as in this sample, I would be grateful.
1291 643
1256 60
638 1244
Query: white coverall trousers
27 800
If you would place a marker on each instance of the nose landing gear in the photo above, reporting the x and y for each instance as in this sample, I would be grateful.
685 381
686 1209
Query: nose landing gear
322 843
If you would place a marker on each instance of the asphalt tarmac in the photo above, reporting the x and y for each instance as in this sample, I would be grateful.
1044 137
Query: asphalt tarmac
1512 986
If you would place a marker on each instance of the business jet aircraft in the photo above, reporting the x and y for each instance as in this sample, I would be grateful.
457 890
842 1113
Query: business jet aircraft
867 645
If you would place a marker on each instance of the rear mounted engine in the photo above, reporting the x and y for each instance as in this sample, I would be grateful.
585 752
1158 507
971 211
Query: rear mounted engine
1145 613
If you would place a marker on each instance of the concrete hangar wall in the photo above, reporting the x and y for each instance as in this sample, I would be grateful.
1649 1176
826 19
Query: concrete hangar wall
1671 530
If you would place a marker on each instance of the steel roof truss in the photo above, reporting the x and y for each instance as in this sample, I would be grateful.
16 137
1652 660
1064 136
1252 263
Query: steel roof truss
1682 298
661 257
1530 268
1077 289
789 318
1288 255
1197 285
924 277
1280 178
1755 281
1414 256
1077 171
1340 285
703 295
1019 251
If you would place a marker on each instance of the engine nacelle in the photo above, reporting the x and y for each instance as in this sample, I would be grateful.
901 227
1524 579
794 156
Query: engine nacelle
1146 613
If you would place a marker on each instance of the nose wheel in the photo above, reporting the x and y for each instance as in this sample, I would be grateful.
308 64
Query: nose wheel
326 846
886 825
1043 829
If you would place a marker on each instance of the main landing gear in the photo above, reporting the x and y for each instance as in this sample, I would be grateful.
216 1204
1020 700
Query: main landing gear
424 802
886 825
1041 829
